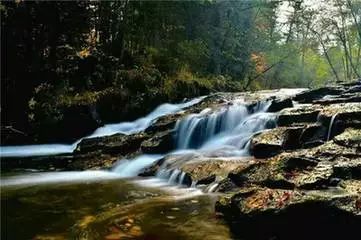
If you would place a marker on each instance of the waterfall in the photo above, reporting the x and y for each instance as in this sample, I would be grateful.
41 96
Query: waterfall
330 127
106 130
131 168
225 132
38 178
230 127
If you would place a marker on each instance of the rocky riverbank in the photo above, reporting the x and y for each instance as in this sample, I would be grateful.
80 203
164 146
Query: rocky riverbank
301 180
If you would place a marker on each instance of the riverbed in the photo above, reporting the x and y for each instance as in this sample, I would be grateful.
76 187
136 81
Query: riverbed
105 208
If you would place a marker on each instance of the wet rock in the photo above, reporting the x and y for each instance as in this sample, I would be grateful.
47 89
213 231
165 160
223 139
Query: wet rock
299 163
206 170
93 160
311 95
279 104
268 143
164 123
304 169
313 135
41 163
347 168
117 143
160 143
226 185
349 138
317 178
207 180
281 213
249 174
344 111
304 113
152 169
343 98
273 141
354 83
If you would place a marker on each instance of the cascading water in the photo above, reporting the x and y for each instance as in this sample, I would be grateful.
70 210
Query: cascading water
131 168
330 127
229 128
223 133
108 129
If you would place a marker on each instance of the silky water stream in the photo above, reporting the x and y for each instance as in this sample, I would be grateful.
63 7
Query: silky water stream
117 204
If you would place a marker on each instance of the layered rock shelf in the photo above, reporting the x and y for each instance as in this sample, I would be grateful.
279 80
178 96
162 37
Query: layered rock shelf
302 179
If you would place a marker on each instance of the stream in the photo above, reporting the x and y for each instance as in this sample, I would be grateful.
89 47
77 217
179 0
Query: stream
116 203
106 209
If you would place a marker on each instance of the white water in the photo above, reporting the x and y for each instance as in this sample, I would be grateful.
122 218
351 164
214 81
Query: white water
131 168
36 150
228 129
225 132
330 127
57 177
108 129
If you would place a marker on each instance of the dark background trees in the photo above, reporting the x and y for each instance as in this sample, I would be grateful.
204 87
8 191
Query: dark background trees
68 67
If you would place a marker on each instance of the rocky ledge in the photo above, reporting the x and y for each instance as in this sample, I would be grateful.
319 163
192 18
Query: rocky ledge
305 180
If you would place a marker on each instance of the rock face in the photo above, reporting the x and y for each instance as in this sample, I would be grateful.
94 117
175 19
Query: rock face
263 213
118 143
306 182
160 143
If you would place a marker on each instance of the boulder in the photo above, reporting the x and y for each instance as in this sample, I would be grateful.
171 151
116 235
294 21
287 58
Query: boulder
313 135
117 143
152 169
206 171
164 123
279 104
160 143
264 213
349 138
271 142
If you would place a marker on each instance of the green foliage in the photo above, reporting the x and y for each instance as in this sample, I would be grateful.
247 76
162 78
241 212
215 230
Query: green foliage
125 57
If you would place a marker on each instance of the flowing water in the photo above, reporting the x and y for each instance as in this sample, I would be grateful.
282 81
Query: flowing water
116 204
105 209
106 130
225 132
330 127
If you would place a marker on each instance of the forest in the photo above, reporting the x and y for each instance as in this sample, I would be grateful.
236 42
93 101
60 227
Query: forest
116 60
180 120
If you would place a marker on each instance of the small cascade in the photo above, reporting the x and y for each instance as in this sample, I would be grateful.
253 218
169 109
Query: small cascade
229 127
222 133
174 176
194 184
330 127
181 178
131 168
144 122
106 130
225 132
212 187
